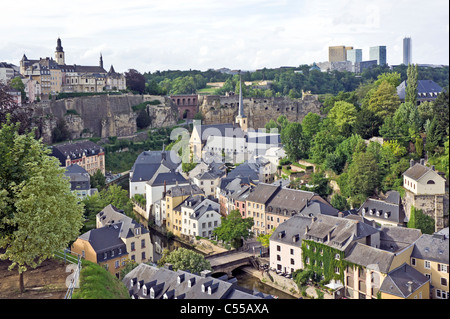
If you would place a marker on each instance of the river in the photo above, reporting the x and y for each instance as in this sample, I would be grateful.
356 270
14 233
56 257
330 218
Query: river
244 279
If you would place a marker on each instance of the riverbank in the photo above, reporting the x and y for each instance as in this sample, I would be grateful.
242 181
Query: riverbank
283 284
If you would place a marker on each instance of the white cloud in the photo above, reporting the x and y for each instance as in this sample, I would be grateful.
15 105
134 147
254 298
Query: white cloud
200 34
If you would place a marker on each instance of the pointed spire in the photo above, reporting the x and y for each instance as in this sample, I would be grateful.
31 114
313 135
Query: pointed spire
101 60
241 100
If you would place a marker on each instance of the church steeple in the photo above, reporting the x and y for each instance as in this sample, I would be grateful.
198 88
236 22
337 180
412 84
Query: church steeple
101 60
241 119
59 53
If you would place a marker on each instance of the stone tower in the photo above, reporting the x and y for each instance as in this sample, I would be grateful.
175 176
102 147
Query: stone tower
59 53
241 119
101 61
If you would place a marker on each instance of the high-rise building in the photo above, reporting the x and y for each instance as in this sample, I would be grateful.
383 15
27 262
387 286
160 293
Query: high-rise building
354 55
378 53
337 53
407 51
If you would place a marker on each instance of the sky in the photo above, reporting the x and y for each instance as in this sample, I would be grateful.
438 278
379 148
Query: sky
150 35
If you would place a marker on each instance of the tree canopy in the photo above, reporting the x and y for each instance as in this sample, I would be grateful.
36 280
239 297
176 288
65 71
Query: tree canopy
39 215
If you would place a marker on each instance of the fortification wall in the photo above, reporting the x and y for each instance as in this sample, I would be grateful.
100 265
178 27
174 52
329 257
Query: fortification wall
224 109
102 115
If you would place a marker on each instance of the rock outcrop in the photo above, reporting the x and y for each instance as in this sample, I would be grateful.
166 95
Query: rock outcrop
101 116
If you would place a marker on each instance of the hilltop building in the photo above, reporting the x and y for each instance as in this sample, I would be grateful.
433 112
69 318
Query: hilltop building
54 75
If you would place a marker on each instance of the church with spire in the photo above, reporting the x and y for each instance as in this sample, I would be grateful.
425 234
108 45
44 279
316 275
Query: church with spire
53 75
231 142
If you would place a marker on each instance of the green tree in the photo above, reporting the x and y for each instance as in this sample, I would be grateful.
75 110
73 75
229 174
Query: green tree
411 84
339 202
143 120
291 137
39 215
60 132
234 228
343 116
419 220
17 84
184 259
98 180
384 101
264 239
363 174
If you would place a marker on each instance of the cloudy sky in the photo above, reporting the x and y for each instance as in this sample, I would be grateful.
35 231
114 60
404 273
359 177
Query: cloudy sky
150 35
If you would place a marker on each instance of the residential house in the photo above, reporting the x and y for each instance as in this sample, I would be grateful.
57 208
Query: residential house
385 212
425 190
200 216
286 244
371 264
405 282
286 202
160 183
208 182
86 154
430 257
147 164
116 240
80 181
174 199
149 282
427 91
256 205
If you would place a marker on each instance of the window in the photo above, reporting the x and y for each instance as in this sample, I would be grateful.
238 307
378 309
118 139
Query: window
292 261
143 243
132 247
427 264
443 281
413 261
443 268
278 248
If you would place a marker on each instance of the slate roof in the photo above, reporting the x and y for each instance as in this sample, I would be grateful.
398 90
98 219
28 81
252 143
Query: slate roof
291 200
432 247
423 87
182 190
394 239
223 130
417 171
316 207
293 228
106 240
75 150
170 178
148 163
262 193
382 209
78 176
398 281
370 257
112 215
338 232
179 285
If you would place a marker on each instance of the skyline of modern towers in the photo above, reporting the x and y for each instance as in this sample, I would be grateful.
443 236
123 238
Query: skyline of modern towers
407 50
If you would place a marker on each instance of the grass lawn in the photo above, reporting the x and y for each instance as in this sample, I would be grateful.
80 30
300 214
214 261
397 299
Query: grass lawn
97 283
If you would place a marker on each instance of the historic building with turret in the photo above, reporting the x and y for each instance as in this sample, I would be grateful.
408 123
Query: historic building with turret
55 76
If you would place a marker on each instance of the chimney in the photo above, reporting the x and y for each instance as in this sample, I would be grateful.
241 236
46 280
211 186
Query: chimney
340 214
205 273
411 163
422 161
409 284
432 167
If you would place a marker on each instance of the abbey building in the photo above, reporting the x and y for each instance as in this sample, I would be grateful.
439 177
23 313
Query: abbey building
45 76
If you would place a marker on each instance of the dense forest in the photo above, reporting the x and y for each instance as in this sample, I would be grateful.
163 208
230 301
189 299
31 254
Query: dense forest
284 81
338 143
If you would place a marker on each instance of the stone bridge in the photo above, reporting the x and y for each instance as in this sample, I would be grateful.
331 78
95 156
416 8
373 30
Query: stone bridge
228 261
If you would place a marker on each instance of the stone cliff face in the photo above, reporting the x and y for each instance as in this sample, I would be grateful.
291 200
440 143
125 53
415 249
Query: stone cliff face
259 111
102 116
